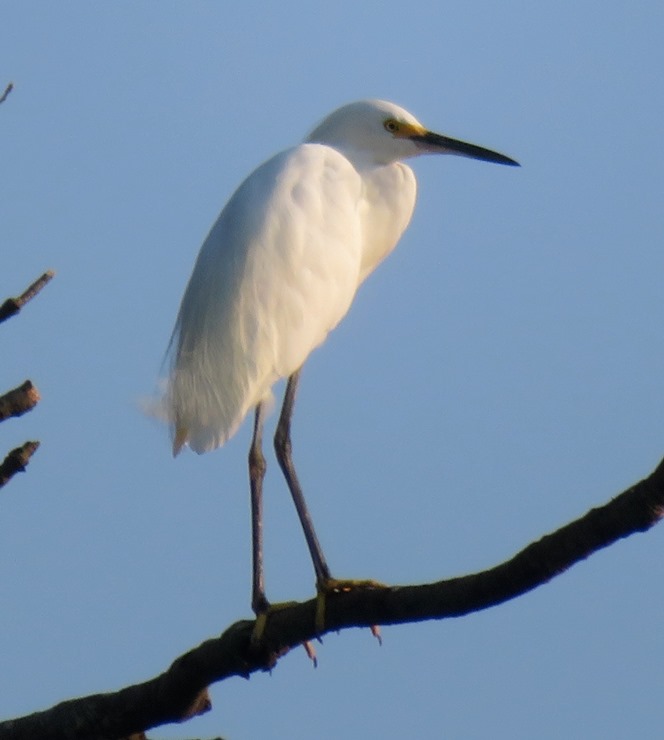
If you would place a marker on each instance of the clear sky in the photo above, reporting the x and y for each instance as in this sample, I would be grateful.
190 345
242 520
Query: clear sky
498 376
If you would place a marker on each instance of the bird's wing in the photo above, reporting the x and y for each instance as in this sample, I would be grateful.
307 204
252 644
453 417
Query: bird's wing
277 272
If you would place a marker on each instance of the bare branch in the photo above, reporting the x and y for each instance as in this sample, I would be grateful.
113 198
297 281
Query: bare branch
18 401
13 305
8 89
176 694
16 462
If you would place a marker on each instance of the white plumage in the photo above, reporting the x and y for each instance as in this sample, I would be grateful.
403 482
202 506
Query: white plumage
281 265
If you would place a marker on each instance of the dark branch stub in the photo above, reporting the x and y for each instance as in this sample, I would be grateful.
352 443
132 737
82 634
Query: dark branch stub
16 462
13 305
19 401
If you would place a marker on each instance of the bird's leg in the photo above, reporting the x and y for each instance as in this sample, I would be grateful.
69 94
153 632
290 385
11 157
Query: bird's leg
259 602
284 449
325 584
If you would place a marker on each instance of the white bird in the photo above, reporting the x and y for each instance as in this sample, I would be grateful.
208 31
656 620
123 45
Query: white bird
278 271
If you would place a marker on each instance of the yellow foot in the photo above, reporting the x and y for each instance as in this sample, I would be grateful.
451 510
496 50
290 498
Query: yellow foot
336 586
261 620
261 623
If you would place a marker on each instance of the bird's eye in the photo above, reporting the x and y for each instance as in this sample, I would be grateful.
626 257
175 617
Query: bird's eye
391 125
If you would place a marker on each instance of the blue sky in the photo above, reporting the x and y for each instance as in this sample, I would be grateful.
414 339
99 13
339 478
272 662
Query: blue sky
499 375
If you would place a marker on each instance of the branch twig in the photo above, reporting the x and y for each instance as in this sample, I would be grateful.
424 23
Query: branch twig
16 462
18 401
8 89
13 305
176 694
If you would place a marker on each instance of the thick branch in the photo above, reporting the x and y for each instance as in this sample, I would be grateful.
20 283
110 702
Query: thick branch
16 462
171 696
13 305
18 401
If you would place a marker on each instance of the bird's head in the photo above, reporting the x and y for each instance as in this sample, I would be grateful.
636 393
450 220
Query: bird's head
379 132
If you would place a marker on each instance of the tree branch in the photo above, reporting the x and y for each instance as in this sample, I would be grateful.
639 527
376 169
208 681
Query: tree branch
176 694
8 89
13 305
24 398
16 462
18 401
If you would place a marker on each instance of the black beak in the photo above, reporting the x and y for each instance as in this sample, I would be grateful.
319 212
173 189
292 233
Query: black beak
445 145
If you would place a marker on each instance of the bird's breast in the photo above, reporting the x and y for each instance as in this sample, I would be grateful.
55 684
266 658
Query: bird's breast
389 200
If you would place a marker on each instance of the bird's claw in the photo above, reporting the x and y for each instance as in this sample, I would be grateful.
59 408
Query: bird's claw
260 624
342 586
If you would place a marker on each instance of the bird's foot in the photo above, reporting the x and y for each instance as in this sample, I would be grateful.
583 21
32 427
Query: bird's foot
331 586
258 632
261 619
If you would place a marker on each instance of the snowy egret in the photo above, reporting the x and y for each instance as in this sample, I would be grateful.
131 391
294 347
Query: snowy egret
277 272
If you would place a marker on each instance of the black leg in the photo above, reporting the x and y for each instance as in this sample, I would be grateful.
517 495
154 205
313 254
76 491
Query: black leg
259 602
283 448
